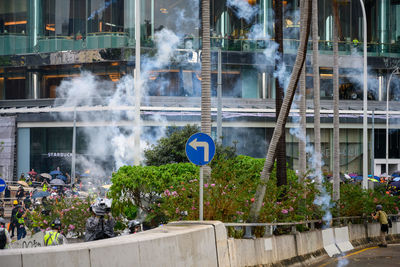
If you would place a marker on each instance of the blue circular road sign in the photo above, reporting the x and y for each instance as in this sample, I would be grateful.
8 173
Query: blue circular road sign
200 149
2 185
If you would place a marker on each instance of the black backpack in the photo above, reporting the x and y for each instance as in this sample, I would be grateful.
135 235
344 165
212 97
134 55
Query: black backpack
3 238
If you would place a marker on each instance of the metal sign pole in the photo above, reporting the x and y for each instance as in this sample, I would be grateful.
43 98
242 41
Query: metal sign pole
201 194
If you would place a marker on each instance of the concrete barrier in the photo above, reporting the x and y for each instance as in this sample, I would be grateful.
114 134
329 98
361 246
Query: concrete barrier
169 245
193 244
328 240
342 239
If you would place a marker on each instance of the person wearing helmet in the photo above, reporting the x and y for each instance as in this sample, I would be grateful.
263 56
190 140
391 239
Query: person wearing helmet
382 217
54 237
5 239
13 220
134 226
101 224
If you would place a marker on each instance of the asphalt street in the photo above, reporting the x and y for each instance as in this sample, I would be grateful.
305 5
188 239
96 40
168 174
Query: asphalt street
373 256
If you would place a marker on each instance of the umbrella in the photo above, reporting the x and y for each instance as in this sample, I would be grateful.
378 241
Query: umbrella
347 176
46 175
358 178
395 185
61 177
396 174
57 182
23 183
55 172
84 175
41 194
352 175
396 179
106 186
33 173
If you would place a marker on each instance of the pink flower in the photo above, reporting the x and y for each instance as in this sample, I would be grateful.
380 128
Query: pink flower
223 193
252 200
193 208
183 189
159 204
278 203
205 185
207 203
212 185
291 209
174 193
285 211
44 221
263 203
171 187
176 210
71 227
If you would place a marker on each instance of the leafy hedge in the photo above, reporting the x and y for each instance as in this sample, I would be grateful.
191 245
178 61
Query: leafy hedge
171 192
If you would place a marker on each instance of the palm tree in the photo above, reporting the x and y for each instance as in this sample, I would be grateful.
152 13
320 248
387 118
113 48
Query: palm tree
281 176
284 113
303 120
316 81
336 145
205 69
206 76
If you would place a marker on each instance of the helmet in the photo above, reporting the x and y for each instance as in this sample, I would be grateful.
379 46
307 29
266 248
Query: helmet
101 207
56 223
378 207
132 225
15 202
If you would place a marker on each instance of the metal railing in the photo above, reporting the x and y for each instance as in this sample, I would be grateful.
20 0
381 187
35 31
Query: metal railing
247 228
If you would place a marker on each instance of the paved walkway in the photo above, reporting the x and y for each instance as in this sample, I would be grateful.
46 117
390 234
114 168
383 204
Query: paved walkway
373 256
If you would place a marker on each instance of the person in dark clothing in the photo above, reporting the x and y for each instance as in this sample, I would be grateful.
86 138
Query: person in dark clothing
20 193
13 220
27 201
100 225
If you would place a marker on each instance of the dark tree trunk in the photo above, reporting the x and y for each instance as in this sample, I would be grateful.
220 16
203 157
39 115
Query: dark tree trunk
281 150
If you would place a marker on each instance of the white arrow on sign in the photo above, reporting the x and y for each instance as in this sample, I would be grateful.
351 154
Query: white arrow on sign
196 144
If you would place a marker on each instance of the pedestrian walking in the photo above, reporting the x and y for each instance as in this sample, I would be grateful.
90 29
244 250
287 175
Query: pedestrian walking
382 217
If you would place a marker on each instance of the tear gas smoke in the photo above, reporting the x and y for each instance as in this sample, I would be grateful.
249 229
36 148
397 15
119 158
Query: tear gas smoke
243 9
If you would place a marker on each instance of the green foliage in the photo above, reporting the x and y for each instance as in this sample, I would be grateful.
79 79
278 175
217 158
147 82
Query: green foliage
171 148
354 201
141 185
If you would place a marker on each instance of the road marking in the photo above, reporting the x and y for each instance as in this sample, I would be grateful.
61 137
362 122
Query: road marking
348 255
196 144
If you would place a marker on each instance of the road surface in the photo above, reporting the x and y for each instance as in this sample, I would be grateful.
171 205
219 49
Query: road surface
373 256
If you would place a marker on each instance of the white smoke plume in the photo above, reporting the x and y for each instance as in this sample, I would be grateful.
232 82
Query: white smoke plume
243 9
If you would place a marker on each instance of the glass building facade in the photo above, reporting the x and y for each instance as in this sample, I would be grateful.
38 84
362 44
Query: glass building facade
43 42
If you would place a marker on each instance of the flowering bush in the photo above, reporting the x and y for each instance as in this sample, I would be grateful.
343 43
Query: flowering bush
72 212
171 192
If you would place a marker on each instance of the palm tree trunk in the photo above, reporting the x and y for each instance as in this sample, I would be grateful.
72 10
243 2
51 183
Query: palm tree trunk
283 114
303 118
206 75
281 176
206 69
336 144
316 81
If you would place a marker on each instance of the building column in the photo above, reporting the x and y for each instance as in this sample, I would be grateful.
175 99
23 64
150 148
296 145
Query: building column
35 24
33 85
23 150
383 17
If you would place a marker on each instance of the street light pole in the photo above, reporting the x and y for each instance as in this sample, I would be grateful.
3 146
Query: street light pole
395 71
365 107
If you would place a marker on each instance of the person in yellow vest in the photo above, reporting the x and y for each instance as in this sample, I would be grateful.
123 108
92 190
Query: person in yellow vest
21 231
45 185
54 237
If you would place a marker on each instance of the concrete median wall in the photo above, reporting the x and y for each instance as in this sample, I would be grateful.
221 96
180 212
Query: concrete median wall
190 244
169 245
